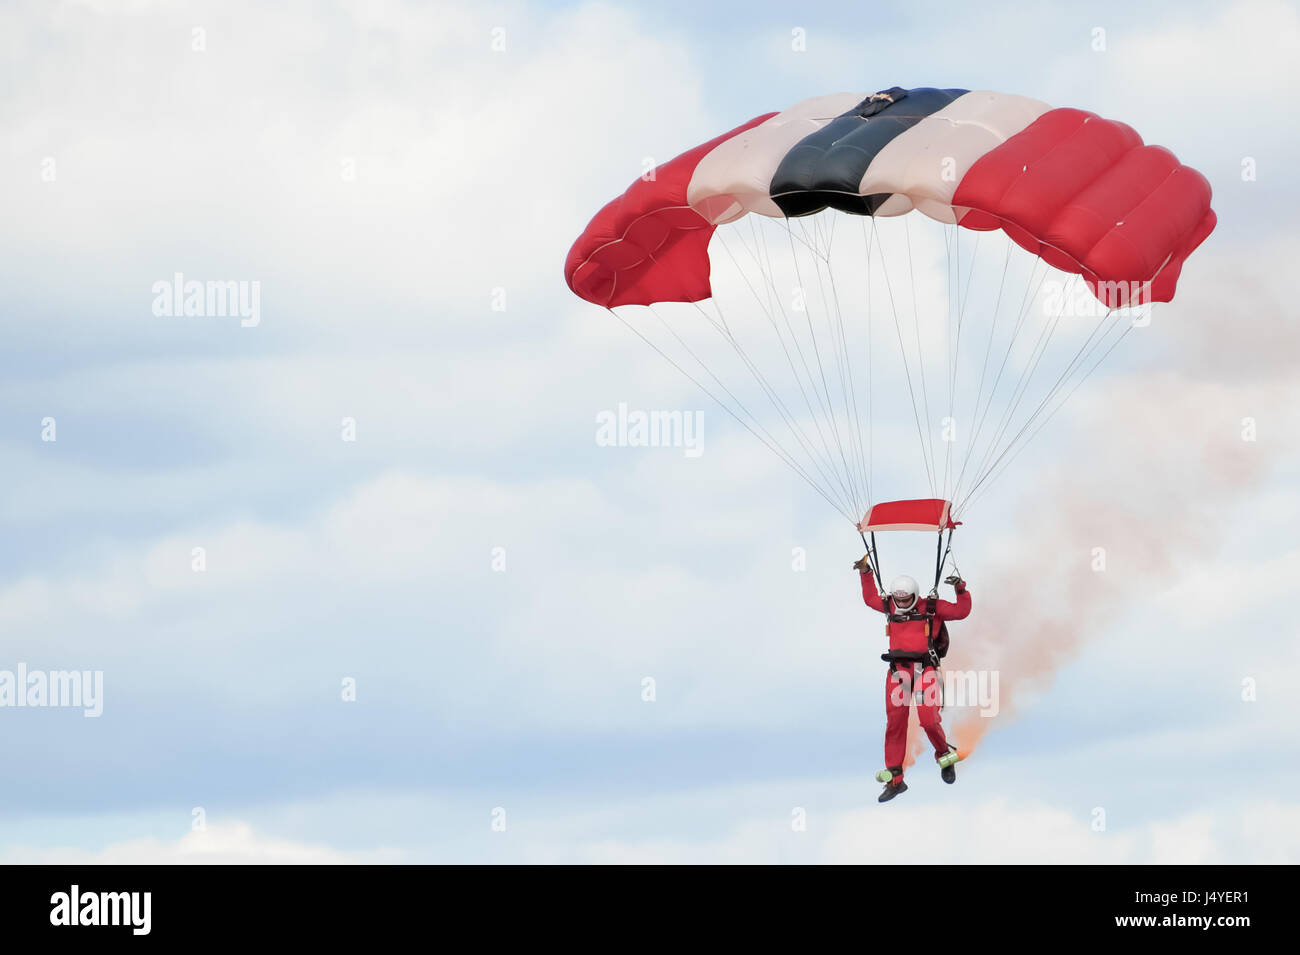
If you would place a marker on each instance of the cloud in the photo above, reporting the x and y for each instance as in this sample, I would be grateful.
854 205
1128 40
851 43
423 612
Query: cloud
234 843
473 171
394 176
974 832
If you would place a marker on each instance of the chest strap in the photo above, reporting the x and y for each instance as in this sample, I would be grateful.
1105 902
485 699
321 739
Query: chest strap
916 613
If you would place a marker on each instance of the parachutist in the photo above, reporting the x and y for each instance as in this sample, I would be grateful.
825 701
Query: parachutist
1080 195
918 635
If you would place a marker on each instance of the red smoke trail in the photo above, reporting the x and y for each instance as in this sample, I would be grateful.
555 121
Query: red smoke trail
1158 460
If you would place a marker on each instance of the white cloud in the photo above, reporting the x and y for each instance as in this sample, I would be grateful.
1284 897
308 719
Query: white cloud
1005 830
474 170
234 843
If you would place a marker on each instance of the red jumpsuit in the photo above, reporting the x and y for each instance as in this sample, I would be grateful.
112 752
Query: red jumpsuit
910 635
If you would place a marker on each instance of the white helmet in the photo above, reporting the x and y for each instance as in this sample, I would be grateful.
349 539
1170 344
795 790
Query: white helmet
904 591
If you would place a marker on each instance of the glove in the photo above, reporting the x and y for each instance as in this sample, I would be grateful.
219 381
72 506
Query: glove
863 565
957 583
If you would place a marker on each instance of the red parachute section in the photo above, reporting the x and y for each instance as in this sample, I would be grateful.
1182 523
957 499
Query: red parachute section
927 514
648 245
1088 197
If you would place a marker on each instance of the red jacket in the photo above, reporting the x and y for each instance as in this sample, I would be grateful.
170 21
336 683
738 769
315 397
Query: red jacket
910 634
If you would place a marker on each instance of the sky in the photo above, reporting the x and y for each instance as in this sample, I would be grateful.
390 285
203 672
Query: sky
362 584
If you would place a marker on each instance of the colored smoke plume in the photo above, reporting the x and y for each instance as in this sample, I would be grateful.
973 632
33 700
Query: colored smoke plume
1165 464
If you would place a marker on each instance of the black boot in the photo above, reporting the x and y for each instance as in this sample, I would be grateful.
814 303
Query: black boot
892 789
949 771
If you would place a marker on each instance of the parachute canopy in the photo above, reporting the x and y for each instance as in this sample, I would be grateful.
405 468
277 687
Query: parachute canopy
928 514
1083 193
828 345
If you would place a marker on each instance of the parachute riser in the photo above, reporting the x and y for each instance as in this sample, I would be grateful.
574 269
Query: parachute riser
940 555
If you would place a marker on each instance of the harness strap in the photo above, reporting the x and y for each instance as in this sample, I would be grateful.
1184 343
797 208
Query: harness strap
931 609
